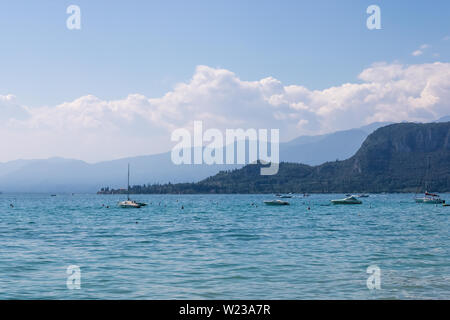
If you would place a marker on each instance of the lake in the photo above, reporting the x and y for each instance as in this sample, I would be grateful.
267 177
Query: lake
222 247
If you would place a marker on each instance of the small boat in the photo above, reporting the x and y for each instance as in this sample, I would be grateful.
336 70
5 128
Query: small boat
430 198
446 204
348 200
276 203
285 196
363 195
130 203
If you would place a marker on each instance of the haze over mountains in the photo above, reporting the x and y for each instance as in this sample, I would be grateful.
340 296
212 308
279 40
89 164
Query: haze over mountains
402 157
68 175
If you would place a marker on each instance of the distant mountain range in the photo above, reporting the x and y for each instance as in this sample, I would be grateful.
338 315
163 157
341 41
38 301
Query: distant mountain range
404 157
67 175
315 150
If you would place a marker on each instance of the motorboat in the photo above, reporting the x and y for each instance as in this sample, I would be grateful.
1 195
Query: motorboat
430 198
129 204
276 203
348 200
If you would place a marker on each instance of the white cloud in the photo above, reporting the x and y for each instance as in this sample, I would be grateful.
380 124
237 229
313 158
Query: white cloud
421 50
93 129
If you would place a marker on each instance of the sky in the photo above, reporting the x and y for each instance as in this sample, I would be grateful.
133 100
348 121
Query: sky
137 70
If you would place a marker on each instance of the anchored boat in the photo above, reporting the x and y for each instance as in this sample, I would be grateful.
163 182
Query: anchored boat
348 200
130 203
430 198
276 203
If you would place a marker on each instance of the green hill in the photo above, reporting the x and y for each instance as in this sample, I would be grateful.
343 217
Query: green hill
404 157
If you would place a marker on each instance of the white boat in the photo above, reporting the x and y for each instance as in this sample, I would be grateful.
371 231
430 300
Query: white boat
363 196
430 198
348 200
276 203
130 203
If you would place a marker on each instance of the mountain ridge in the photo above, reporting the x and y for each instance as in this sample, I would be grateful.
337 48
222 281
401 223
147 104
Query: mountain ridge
404 157
57 174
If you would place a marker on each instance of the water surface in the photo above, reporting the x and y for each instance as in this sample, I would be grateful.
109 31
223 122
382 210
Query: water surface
222 247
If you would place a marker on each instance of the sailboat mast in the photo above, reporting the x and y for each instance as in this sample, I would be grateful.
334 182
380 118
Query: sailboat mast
128 190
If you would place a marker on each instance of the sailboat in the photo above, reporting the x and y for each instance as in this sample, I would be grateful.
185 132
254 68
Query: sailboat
130 203
430 198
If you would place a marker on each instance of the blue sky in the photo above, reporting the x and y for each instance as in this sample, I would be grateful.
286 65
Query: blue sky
148 46
137 70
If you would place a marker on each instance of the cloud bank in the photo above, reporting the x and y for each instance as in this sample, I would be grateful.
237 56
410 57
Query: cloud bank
93 129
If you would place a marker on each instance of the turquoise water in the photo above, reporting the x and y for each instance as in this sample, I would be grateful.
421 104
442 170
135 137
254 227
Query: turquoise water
222 247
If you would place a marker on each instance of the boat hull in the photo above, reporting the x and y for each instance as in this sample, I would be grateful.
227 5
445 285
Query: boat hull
345 202
276 203
429 201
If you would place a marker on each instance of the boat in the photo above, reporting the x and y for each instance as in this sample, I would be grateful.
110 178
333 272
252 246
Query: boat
130 203
430 198
446 204
348 200
285 196
276 203
363 195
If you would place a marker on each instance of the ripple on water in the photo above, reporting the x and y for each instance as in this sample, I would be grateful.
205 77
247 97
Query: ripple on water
222 247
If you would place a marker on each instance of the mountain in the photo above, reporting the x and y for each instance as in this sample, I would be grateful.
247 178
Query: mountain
444 119
314 150
404 157
69 175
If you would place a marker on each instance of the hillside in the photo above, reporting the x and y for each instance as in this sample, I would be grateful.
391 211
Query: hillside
69 175
404 157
